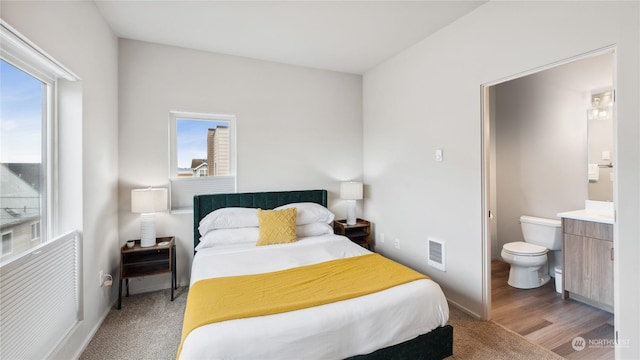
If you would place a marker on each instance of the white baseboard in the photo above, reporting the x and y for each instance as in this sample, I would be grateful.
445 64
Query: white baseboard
56 353
464 309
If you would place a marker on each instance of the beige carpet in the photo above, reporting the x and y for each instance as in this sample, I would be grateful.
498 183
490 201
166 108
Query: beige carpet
149 326
475 339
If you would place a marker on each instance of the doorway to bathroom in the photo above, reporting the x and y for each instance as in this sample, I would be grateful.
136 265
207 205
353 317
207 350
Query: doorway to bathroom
536 163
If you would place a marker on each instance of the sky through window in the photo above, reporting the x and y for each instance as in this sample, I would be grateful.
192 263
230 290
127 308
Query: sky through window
20 116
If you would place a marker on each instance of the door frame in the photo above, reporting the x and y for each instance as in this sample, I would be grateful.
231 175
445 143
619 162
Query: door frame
485 143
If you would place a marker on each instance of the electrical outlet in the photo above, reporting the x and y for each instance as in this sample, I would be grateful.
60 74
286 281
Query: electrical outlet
381 238
101 276
396 243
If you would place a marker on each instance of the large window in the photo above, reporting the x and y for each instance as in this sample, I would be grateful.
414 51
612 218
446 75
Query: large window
28 81
202 156
23 124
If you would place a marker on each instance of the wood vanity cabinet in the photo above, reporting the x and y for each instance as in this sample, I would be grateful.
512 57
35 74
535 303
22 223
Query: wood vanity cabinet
588 262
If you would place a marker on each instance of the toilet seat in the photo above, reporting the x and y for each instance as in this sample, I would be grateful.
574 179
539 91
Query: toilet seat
521 248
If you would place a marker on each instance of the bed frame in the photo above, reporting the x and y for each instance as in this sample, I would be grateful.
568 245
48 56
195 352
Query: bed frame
204 204
437 344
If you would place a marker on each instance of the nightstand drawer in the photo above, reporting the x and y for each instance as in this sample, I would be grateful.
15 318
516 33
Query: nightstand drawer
359 233
133 258
149 267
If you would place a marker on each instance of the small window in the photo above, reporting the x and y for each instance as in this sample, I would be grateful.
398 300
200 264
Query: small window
202 156
202 144
7 243
35 231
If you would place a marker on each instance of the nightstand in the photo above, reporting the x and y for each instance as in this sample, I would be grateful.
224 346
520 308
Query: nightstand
360 233
142 261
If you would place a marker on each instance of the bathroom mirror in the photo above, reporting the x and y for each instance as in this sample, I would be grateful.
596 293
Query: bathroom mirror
600 146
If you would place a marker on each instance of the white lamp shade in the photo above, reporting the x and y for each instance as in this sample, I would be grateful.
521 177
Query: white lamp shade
351 190
148 200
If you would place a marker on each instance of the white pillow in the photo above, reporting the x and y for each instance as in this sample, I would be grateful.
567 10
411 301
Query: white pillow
228 236
229 218
309 213
313 229
249 235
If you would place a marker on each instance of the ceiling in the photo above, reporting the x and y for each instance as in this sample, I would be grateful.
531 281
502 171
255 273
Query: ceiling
345 36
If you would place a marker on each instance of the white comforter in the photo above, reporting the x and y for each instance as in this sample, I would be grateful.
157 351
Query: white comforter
333 331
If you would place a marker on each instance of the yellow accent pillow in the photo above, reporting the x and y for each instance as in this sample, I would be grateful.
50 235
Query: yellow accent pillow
277 226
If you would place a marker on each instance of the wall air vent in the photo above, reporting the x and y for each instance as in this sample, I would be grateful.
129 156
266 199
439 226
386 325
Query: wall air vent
436 254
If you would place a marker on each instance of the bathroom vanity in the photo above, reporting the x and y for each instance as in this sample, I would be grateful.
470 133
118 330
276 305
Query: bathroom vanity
587 235
588 257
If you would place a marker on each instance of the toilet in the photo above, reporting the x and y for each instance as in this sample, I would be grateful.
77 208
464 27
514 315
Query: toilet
529 260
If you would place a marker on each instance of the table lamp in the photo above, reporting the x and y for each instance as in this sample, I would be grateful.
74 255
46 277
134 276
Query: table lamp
147 202
351 191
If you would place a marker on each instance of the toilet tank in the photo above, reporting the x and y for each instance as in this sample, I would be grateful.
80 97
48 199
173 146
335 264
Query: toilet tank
543 232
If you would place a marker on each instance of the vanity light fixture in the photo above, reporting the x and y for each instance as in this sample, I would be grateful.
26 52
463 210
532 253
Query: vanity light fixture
601 106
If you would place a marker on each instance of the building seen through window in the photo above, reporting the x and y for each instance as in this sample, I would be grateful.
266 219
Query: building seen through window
202 148
22 171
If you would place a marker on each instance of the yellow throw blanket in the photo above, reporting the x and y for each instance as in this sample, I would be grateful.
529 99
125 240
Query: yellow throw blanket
235 297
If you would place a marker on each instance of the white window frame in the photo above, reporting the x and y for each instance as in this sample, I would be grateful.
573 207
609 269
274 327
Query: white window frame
10 233
35 228
28 57
182 189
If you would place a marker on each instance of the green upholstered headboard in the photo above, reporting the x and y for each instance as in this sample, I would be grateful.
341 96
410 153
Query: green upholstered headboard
204 204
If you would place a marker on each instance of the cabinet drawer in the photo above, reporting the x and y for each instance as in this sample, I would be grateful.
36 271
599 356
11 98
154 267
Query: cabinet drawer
590 229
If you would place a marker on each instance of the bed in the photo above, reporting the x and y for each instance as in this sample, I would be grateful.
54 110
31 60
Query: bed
406 321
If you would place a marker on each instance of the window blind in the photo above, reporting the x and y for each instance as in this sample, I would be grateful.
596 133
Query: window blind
40 297
183 189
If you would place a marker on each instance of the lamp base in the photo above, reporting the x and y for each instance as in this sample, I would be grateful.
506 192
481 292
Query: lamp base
147 230
351 212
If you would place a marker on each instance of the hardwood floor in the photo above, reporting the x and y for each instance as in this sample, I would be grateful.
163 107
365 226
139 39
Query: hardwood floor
541 316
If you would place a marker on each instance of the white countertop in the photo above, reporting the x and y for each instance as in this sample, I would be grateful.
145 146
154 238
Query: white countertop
588 215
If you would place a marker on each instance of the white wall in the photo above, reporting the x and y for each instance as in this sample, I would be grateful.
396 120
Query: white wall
425 98
297 128
429 97
541 141
75 34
